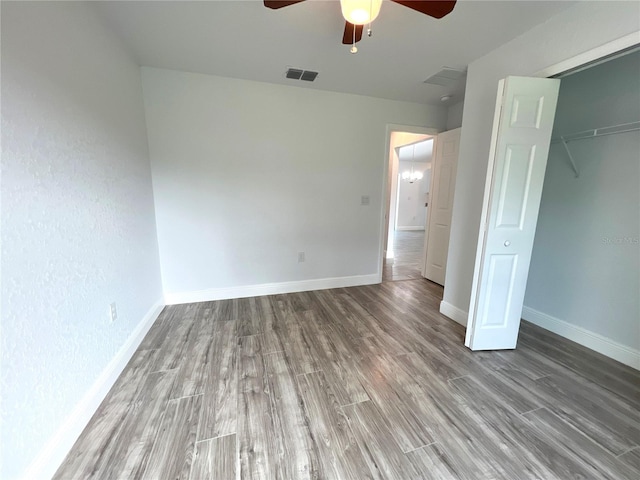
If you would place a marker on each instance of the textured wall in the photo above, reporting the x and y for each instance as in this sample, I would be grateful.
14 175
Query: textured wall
78 228
588 230
248 174
577 29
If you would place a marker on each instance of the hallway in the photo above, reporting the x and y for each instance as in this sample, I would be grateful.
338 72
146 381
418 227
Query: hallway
407 262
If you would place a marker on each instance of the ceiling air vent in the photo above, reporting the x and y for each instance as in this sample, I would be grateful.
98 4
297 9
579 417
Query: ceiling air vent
446 77
297 74
308 76
294 73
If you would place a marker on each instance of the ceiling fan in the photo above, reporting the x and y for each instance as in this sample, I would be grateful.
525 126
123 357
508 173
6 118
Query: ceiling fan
358 13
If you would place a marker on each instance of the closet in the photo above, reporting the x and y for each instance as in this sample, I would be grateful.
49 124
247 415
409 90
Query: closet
584 275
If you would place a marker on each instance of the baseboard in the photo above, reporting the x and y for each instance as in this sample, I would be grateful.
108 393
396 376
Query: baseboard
173 298
56 449
407 229
454 313
601 344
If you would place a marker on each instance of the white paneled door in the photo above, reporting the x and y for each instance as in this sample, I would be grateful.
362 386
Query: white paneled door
518 158
445 162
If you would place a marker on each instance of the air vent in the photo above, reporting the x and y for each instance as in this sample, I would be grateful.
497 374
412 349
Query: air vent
308 76
294 73
446 77
297 74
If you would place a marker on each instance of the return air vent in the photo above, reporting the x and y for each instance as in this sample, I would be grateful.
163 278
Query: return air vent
297 74
446 77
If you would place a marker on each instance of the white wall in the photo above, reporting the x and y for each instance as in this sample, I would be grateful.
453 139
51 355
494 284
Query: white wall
577 29
248 174
78 229
585 268
454 116
412 197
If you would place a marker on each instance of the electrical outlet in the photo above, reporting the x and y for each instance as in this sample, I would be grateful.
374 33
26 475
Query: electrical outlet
113 312
300 257
365 200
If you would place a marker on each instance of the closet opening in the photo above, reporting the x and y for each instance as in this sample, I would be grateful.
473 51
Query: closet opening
584 275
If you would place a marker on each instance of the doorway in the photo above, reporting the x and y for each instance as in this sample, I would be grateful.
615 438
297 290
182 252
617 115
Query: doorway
420 183
410 162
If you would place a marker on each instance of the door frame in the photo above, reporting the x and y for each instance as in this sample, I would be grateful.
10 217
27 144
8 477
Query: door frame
590 56
386 191
434 152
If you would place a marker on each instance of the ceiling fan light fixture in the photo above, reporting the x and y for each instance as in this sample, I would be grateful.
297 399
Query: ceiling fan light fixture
360 12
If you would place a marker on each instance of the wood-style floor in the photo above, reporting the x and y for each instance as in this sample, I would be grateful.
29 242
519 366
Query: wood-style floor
357 383
408 248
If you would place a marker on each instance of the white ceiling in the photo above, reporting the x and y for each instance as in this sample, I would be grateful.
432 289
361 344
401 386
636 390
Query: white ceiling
418 152
243 39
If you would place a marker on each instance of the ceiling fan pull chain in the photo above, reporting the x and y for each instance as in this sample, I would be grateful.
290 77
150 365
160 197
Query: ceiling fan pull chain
354 49
370 16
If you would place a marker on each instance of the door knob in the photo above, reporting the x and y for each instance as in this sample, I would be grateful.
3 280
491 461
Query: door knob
507 243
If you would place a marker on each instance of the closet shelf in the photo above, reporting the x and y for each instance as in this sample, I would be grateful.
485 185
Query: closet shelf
596 132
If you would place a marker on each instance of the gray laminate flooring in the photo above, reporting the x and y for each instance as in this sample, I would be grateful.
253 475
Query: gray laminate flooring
357 383
408 248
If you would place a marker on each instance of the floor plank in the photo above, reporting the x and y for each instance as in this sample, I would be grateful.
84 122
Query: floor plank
374 433
291 443
632 459
433 463
130 457
215 459
394 393
194 370
220 399
575 446
338 454
173 450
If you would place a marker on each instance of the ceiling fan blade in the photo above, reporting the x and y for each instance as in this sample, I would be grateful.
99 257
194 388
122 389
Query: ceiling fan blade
433 8
347 36
276 4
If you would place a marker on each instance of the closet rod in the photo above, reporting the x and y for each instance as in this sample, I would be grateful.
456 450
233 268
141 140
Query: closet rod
598 132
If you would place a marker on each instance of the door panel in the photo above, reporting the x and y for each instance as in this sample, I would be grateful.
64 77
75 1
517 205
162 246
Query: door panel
517 171
499 290
518 158
445 161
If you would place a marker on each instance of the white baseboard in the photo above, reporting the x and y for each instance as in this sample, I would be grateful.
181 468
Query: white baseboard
454 313
173 298
594 341
409 228
56 449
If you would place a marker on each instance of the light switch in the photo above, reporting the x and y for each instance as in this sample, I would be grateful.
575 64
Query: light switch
364 200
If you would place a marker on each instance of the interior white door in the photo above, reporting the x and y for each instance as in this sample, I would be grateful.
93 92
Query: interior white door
445 162
518 158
